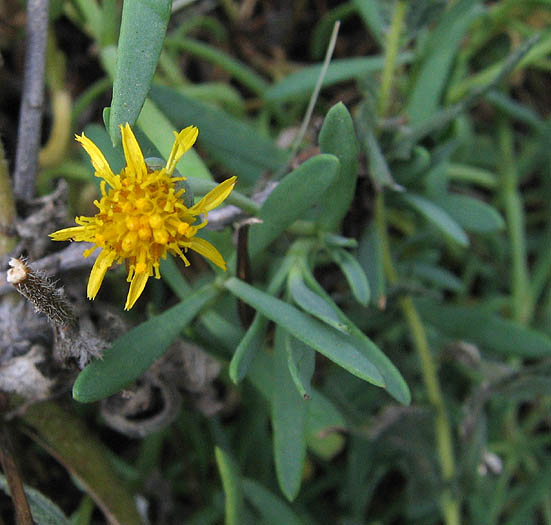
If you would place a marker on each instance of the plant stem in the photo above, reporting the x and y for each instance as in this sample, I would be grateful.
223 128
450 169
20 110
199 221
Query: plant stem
449 504
243 74
392 46
28 134
512 201
7 208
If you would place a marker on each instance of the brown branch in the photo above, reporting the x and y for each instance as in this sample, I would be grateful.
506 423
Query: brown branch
15 483
67 259
30 115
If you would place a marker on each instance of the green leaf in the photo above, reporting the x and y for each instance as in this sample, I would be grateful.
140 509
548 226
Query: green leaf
301 360
135 351
101 139
472 214
312 303
419 163
485 329
379 170
237 145
289 423
321 34
439 277
110 23
465 173
273 510
441 49
303 82
515 110
531 496
231 481
323 418
523 386
354 273
329 342
160 131
325 427
143 29
333 239
370 256
241 72
394 382
438 217
174 278
253 340
44 511
297 192
337 137
370 12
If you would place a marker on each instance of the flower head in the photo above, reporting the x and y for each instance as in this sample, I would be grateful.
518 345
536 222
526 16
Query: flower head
141 215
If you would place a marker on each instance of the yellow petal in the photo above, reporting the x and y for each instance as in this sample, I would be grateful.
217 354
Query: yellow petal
103 262
183 141
206 249
132 152
99 162
136 288
69 233
214 197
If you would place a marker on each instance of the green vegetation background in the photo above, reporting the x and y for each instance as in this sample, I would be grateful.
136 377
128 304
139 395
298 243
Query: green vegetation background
397 368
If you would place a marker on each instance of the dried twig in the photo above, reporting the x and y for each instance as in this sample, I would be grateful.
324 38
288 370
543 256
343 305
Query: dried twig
28 136
317 89
15 483
67 259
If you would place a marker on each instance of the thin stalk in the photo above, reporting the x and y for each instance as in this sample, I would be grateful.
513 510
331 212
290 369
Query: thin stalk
392 47
231 9
449 505
7 207
28 134
514 213
23 514
444 443
239 71
317 89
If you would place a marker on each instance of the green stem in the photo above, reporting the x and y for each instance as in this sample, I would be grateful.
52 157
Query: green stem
89 95
239 71
392 47
514 212
450 505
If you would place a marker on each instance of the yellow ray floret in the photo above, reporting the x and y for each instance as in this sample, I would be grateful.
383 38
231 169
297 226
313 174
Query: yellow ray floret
141 215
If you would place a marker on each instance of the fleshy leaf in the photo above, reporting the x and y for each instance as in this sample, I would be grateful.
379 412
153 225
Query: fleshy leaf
137 56
326 340
289 421
135 351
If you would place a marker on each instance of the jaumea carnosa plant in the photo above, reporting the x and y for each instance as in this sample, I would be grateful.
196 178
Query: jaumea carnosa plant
141 215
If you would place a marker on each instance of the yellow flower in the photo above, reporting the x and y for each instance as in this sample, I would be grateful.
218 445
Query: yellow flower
141 215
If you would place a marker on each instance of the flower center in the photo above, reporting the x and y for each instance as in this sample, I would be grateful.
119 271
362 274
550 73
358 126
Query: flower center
138 212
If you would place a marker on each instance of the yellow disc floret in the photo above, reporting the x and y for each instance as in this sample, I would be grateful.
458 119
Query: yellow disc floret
141 216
